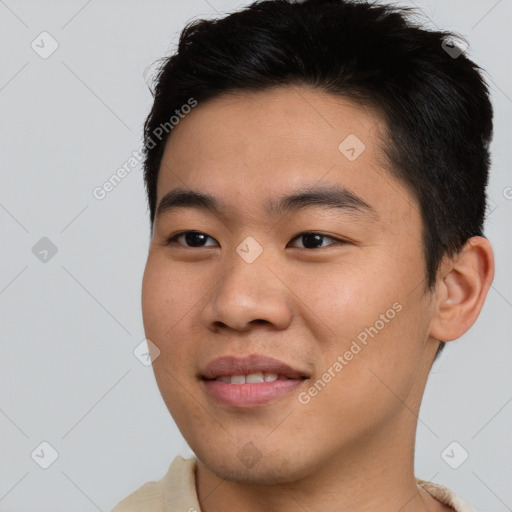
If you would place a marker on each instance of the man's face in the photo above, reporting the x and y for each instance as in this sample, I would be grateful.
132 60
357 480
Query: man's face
345 308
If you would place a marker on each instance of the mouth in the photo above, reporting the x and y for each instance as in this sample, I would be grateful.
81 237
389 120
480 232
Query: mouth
250 381
252 378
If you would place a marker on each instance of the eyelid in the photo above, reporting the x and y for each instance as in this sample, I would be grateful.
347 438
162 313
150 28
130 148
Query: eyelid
172 239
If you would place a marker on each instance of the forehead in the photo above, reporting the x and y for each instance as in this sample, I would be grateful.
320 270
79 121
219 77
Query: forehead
246 147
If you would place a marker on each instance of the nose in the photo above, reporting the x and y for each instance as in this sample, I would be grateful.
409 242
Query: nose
249 294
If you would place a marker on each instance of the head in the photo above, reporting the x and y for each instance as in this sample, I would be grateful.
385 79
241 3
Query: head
326 101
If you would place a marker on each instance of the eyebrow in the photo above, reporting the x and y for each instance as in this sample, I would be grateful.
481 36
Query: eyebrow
327 197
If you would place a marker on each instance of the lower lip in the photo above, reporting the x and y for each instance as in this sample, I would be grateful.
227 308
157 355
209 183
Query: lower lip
250 395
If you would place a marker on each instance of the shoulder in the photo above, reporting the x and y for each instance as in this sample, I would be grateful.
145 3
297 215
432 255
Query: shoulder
445 496
176 490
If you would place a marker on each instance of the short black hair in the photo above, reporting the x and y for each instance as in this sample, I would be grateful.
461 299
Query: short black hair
433 98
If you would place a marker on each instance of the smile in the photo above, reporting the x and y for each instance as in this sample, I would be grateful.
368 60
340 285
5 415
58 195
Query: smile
252 378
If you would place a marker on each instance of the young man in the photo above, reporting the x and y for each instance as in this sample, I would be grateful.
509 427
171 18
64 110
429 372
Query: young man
316 177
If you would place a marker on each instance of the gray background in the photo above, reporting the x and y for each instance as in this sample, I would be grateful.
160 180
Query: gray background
69 325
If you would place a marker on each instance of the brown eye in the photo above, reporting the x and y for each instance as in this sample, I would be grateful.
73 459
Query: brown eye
314 240
191 239
197 239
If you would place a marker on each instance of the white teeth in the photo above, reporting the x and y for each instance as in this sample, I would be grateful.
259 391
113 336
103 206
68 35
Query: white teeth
252 378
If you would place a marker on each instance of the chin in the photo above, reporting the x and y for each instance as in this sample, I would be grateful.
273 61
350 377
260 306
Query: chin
251 466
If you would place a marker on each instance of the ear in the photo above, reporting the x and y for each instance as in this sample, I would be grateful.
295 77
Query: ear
461 289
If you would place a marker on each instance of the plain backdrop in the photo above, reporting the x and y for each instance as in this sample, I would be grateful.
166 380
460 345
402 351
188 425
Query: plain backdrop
72 264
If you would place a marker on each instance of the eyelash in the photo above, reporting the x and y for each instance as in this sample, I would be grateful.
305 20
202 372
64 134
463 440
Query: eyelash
174 237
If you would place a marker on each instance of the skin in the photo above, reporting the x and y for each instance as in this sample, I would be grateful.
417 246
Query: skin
351 447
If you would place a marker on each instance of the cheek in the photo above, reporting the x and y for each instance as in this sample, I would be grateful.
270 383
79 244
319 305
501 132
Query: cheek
165 297
378 328
347 299
164 304
168 303
152 291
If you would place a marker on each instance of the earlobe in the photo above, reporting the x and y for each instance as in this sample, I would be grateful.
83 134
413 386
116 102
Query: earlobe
462 287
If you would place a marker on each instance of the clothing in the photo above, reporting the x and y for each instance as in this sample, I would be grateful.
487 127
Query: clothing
176 492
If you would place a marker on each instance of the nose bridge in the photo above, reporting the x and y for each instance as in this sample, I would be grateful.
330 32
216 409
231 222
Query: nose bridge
249 290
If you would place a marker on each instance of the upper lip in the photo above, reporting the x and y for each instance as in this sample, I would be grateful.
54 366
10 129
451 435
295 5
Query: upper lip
232 365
